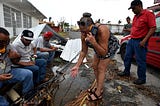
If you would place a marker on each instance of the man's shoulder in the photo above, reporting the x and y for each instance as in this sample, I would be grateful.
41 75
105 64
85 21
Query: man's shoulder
18 44
146 11
40 38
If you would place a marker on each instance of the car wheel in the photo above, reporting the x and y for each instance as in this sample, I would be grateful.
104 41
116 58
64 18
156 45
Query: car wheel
123 50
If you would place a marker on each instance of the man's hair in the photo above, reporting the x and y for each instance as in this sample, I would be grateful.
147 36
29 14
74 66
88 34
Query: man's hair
4 31
128 17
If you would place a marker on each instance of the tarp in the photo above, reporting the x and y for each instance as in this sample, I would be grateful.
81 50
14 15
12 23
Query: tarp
37 30
71 49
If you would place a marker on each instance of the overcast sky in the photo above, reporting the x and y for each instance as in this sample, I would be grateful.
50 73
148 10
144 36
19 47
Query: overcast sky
72 10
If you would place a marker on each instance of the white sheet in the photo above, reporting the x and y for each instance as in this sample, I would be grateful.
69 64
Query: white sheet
71 49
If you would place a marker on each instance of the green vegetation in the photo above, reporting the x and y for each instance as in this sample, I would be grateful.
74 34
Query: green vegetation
63 34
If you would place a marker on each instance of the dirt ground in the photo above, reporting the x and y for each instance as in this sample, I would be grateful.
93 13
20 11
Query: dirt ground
117 91
64 90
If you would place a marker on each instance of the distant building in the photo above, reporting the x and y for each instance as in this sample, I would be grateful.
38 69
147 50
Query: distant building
115 28
17 15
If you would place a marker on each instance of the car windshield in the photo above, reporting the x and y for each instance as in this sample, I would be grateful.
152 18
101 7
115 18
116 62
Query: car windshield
157 32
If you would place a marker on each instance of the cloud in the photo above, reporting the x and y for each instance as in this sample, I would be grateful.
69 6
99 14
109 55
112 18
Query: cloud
71 10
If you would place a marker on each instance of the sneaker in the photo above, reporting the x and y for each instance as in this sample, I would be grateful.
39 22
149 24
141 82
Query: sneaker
123 74
139 82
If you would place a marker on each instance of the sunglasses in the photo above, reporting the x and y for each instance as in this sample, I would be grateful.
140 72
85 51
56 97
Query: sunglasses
81 23
4 41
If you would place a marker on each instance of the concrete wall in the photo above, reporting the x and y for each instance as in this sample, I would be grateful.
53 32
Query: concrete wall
115 28
10 29
1 16
35 22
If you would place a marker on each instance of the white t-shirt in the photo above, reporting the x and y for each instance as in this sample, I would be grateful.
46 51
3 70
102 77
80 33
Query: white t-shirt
25 51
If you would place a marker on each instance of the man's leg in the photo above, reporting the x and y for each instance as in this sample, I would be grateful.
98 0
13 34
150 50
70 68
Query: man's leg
3 101
128 59
51 56
35 71
140 53
24 76
128 56
41 63
42 55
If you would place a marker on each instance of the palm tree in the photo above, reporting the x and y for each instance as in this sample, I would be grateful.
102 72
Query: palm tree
119 22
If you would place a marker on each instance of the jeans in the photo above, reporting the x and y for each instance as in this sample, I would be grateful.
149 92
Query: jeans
51 56
39 70
3 101
21 75
132 49
48 56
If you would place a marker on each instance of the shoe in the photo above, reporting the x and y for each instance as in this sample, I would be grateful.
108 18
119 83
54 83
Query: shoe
123 74
91 90
94 97
43 81
139 82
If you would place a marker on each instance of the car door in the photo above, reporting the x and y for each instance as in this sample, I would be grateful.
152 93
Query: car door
153 55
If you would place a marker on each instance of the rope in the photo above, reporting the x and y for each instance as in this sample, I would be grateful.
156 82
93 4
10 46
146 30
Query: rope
83 100
92 86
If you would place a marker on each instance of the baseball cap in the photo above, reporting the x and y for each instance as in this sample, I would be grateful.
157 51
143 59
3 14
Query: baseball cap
135 3
27 34
48 34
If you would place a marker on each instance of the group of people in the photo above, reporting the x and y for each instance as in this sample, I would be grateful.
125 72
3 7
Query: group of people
94 35
24 61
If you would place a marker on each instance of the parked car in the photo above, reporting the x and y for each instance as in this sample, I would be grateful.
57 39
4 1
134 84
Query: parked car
153 54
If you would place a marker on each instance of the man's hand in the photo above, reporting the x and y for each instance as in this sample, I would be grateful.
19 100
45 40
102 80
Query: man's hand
30 63
142 43
13 54
55 48
4 77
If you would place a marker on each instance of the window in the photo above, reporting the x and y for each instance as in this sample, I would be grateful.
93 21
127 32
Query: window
16 16
12 17
27 23
157 32
7 16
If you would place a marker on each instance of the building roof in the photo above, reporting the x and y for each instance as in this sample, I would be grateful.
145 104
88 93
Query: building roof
26 7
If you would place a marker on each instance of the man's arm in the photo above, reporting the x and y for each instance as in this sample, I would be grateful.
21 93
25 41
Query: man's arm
4 77
45 49
30 63
14 56
150 32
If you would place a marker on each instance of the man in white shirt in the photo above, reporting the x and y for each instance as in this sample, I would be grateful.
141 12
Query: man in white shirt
28 61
